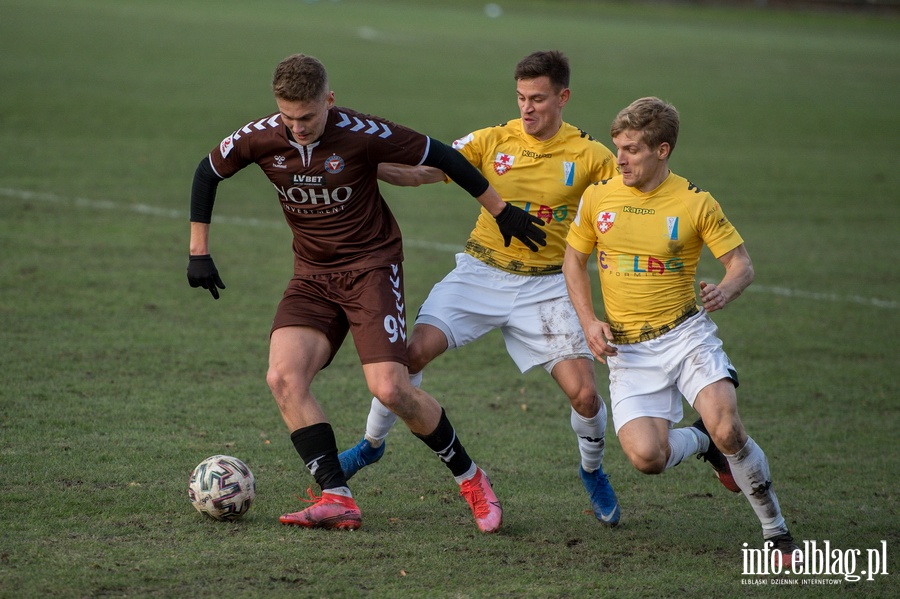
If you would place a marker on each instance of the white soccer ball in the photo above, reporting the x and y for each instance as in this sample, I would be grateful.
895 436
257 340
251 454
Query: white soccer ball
222 487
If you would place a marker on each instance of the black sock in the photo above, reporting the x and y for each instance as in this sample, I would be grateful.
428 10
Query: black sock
444 442
318 450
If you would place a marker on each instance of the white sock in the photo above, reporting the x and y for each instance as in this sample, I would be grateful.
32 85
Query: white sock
381 420
342 491
591 437
684 442
750 470
471 472
416 379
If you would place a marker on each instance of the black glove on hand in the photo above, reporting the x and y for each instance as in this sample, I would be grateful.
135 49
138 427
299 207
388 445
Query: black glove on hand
201 272
515 222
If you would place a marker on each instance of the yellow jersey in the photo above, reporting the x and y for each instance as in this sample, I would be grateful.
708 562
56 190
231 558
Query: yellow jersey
544 178
648 248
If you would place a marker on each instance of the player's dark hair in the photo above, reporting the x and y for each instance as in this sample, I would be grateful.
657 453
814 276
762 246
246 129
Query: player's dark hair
300 78
655 119
551 63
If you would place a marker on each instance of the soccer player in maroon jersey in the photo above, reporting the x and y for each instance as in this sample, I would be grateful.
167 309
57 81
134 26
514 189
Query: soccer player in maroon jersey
348 276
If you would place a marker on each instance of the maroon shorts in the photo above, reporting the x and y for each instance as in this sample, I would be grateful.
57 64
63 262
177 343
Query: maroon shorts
368 303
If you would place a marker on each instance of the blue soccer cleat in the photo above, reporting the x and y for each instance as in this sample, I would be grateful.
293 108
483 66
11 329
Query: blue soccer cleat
603 498
359 456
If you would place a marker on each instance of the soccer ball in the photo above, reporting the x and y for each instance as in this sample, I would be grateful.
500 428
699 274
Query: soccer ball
222 487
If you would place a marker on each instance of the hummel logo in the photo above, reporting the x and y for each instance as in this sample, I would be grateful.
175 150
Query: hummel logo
359 124
259 125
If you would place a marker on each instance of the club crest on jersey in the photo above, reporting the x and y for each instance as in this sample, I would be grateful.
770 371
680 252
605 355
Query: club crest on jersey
502 163
605 221
226 146
334 164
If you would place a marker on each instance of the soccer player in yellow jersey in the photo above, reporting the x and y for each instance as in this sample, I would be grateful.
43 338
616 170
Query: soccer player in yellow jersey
541 164
648 227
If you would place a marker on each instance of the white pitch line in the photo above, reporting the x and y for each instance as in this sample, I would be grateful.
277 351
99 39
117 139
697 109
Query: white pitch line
145 209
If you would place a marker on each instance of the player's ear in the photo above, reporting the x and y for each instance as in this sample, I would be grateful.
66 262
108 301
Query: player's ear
564 97
663 151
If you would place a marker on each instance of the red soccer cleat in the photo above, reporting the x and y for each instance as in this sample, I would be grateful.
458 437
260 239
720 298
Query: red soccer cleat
784 543
328 511
485 507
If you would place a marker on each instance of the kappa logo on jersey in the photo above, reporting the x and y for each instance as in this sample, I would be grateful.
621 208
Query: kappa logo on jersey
334 164
605 221
502 163
226 146
369 127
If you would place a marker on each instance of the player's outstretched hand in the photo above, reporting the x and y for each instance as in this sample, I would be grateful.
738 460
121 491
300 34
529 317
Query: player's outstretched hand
515 222
202 272
712 297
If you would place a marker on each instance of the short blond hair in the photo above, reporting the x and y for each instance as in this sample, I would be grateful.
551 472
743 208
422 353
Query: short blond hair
656 120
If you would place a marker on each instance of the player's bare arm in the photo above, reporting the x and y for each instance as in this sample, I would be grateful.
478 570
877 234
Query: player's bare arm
409 176
578 284
738 276
199 239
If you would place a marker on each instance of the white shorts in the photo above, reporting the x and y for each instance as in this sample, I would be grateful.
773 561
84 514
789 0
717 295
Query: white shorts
649 378
534 313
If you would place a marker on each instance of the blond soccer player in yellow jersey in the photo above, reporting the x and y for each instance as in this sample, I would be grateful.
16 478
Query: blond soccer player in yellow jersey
541 164
648 227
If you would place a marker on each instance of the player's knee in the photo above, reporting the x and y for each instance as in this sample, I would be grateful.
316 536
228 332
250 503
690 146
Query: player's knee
419 357
417 362
427 343
646 461
586 402
728 435
388 392
277 380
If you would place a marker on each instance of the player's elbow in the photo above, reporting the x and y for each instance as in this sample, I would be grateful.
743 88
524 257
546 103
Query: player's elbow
573 261
749 272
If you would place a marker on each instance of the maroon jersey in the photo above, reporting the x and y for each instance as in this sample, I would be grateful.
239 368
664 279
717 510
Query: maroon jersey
329 189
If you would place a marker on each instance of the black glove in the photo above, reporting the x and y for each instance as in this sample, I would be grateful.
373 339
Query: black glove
515 222
201 272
